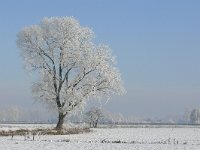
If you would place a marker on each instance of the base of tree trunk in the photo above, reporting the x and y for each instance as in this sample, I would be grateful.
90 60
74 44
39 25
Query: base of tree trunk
60 123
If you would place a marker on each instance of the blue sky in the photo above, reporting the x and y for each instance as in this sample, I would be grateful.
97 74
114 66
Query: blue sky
156 44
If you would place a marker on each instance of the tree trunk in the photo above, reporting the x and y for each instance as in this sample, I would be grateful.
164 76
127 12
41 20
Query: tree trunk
60 123
96 123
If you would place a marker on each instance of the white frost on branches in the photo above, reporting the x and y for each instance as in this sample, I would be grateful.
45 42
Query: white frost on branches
71 67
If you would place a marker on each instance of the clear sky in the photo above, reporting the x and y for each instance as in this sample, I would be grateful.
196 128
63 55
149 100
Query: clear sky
157 44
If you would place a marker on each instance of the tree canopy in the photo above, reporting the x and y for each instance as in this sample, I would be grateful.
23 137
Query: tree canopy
71 67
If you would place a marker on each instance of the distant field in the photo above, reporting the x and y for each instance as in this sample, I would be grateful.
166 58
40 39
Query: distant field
120 138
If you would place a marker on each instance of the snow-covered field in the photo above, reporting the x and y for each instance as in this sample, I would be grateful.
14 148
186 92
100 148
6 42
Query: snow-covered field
163 138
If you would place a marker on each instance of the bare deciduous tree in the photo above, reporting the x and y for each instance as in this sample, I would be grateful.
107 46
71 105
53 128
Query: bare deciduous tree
71 67
195 116
93 116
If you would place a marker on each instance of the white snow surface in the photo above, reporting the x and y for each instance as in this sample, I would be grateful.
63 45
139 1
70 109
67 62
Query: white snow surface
163 138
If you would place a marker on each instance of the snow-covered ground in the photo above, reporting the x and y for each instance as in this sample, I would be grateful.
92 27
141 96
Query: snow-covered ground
164 138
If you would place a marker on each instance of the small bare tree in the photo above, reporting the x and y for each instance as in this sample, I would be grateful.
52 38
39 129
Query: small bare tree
93 116
71 67
195 116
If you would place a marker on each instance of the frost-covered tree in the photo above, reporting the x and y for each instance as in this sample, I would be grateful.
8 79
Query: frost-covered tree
11 114
71 68
93 116
195 116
